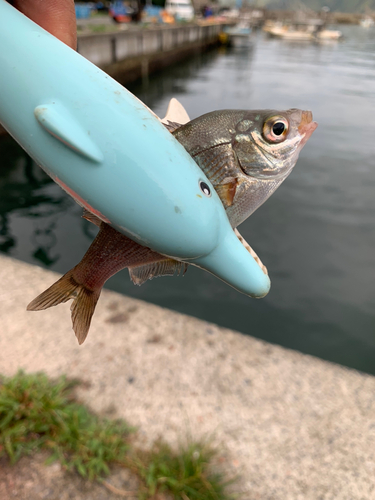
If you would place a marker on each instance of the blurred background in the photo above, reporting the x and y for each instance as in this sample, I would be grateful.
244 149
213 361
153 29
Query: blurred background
316 234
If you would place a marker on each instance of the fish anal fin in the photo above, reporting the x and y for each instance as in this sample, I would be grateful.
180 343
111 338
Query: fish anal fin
83 306
91 217
227 192
164 267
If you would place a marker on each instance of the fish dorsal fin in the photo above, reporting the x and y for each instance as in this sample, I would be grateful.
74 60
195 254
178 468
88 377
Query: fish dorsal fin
58 122
172 126
91 217
176 113
227 191
251 252
164 267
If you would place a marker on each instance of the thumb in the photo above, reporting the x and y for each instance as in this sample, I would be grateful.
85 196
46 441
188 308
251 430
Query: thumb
55 16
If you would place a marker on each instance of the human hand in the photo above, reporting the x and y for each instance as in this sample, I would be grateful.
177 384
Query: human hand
56 16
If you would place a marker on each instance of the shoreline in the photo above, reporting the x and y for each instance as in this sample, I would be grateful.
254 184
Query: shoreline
293 426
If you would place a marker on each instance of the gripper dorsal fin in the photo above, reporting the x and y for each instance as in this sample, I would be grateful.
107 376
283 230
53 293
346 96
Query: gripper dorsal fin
58 122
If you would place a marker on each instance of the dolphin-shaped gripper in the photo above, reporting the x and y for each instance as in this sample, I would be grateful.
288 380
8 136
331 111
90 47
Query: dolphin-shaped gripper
112 154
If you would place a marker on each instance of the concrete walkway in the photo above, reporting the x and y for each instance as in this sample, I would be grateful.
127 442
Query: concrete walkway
294 427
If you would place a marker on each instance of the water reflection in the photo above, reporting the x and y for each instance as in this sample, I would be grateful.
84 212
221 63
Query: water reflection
174 80
6 239
316 234
45 240
30 207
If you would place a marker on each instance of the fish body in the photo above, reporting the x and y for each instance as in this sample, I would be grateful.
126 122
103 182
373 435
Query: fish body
244 171
112 154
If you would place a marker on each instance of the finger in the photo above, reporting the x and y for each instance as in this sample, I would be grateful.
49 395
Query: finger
55 16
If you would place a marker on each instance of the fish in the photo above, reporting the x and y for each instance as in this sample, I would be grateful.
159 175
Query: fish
246 155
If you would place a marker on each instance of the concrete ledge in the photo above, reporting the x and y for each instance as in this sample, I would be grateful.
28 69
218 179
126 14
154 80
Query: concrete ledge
294 427
133 68
110 48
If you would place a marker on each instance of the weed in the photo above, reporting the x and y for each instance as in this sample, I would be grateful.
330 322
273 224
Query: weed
186 474
37 413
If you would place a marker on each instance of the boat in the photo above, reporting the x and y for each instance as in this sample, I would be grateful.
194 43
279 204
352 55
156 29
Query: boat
367 22
238 35
328 35
311 30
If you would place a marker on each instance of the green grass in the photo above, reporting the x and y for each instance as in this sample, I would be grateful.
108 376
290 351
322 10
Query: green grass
38 413
185 474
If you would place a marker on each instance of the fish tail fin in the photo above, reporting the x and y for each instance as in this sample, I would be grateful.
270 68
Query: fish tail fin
82 308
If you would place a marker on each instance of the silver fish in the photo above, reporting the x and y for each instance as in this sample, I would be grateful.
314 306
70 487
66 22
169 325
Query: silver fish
245 154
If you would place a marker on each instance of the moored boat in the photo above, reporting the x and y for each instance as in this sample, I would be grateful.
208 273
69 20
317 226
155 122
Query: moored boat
238 35
311 30
367 22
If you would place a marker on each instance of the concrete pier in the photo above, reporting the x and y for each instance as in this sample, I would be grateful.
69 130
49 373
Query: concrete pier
136 52
292 426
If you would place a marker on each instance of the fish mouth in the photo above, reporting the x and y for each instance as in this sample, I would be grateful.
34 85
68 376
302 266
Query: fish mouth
307 126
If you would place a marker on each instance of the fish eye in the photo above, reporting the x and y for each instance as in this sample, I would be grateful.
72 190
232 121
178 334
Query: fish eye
275 129
278 128
205 188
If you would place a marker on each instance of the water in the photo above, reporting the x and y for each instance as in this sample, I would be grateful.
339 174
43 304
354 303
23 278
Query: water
316 234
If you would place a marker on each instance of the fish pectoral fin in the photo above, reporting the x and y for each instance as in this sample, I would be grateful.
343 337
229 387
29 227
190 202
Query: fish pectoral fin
251 251
91 217
164 267
82 308
227 191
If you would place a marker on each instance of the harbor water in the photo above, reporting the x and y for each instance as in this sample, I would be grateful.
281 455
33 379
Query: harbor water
316 234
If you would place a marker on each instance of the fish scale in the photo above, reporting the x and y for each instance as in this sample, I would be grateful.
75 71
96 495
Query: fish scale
216 163
250 196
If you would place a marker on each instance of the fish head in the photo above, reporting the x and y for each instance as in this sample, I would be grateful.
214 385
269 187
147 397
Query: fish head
267 143
246 154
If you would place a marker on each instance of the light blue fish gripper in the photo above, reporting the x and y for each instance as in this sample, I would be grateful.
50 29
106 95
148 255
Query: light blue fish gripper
112 154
